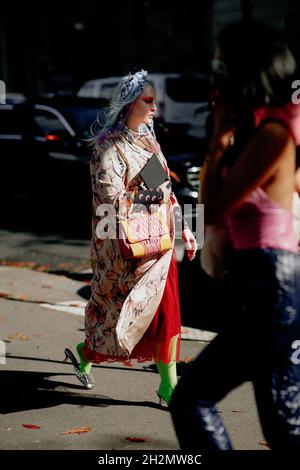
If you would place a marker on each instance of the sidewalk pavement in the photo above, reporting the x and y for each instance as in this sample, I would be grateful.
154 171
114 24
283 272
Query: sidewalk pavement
41 314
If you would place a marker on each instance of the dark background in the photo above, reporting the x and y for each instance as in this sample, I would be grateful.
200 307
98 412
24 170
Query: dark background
57 45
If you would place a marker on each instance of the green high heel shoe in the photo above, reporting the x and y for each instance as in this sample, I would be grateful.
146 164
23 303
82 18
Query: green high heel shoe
164 398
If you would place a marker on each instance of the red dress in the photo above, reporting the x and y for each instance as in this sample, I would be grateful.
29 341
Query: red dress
157 342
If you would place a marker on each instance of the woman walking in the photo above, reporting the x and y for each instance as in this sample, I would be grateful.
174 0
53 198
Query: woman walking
248 187
134 311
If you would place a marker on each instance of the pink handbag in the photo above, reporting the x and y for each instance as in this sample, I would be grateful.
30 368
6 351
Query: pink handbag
146 235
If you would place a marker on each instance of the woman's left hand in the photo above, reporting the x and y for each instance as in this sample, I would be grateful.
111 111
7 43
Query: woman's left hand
190 243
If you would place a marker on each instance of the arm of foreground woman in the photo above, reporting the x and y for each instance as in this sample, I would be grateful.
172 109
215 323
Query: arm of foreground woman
256 165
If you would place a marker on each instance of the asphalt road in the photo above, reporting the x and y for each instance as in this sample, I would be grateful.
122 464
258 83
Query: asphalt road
38 389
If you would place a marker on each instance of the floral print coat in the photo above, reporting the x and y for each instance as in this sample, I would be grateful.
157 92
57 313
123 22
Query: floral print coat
125 293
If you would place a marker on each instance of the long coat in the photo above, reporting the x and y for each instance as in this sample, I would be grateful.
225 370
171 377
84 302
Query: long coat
125 293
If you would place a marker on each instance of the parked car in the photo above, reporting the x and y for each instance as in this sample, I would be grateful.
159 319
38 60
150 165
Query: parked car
45 157
185 156
178 96
73 115
45 160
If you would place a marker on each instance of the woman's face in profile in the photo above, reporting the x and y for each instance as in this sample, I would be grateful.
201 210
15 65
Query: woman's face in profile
144 107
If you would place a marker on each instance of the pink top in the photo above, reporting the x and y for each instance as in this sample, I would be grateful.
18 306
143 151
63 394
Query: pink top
260 222
288 114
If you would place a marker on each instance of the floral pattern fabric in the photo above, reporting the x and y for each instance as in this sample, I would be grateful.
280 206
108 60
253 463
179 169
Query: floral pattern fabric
125 294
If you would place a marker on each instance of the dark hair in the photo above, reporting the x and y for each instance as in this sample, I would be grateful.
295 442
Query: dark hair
259 67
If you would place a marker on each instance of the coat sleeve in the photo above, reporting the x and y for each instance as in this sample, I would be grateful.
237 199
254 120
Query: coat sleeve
109 176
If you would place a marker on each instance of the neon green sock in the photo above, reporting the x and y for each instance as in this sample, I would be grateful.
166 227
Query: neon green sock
85 366
168 379
168 372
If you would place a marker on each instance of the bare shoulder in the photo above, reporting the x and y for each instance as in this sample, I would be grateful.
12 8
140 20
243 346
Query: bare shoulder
272 139
270 152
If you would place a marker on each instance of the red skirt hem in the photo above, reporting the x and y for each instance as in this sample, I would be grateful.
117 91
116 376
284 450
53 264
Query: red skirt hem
97 358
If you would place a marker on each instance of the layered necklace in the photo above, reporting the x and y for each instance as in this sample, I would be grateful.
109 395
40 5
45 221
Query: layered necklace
144 140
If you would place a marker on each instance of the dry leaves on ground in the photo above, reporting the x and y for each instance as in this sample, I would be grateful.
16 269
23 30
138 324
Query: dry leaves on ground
4 295
18 264
43 268
78 430
18 336
7 295
264 443
187 359
31 426
135 439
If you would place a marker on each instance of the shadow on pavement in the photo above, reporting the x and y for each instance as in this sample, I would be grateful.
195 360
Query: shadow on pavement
40 390
181 366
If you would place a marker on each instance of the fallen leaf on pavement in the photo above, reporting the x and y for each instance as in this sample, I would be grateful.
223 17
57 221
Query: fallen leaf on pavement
4 295
18 264
264 443
78 431
46 286
18 336
24 337
8 429
187 359
236 411
43 267
31 426
64 265
22 297
135 439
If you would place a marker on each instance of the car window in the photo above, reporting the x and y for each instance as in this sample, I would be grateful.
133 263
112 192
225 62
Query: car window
48 122
188 89
83 118
88 87
108 89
